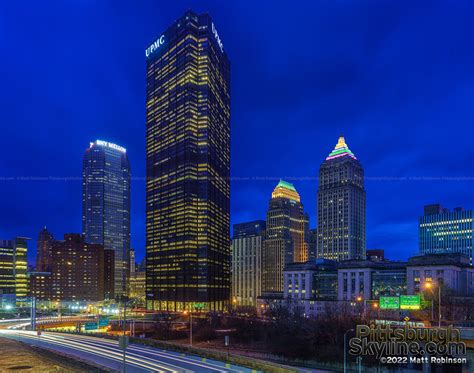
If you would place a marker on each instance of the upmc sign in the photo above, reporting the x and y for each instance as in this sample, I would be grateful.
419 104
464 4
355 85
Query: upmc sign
155 46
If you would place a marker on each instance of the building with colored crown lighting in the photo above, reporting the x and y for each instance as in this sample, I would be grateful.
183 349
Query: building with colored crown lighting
285 240
188 167
341 206
106 205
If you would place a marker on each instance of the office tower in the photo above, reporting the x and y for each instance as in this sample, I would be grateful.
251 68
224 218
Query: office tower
188 167
442 231
312 243
285 236
109 274
106 204
137 284
247 262
13 265
43 251
77 270
341 206
132 261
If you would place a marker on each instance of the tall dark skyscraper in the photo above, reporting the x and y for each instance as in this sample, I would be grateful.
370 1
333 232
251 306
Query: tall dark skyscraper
188 167
285 240
341 206
106 204
44 254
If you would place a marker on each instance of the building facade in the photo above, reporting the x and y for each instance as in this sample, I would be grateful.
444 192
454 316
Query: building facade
188 167
285 240
77 272
106 204
369 280
442 231
138 284
451 271
247 245
44 247
109 274
13 266
341 206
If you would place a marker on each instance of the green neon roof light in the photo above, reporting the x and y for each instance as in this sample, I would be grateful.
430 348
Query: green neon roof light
286 185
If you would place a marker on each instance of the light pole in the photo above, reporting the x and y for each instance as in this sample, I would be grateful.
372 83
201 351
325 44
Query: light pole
429 285
360 299
345 344
190 326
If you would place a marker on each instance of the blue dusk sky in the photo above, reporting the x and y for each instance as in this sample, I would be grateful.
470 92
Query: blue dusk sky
395 77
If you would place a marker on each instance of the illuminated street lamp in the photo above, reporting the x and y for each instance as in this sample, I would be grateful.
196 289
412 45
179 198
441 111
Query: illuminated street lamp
429 286
185 312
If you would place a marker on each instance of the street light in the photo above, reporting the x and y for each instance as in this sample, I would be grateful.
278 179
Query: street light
360 299
429 285
185 312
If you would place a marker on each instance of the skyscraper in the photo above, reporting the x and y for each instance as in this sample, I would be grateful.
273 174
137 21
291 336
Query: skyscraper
13 265
285 240
442 231
341 206
247 245
106 204
188 167
44 251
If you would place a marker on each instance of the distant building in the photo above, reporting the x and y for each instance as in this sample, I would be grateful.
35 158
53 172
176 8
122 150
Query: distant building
13 267
132 261
312 244
188 167
109 274
370 279
341 206
247 262
376 255
285 240
77 272
452 271
44 247
308 286
137 284
106 204
442 231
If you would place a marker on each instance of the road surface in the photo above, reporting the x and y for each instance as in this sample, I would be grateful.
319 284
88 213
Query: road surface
106 353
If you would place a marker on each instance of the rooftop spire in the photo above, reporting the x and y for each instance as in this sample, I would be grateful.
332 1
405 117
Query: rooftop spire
340 150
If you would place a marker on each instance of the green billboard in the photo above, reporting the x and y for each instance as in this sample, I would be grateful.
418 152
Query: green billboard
410 302
389 303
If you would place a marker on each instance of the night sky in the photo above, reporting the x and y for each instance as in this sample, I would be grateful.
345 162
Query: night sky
396 78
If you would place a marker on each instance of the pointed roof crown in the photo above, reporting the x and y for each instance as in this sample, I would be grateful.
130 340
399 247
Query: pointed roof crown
285 190
340 150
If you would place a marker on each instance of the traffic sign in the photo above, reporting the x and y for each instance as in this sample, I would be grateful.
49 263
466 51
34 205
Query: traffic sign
103 321
389 303
410 302
90 326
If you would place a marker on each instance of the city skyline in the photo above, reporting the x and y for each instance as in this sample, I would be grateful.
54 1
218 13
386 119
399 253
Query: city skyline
395 164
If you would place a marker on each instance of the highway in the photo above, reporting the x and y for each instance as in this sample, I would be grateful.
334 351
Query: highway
106 353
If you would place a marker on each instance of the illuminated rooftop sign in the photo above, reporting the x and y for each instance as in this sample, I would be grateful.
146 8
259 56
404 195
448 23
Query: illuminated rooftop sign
109 145
155 45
